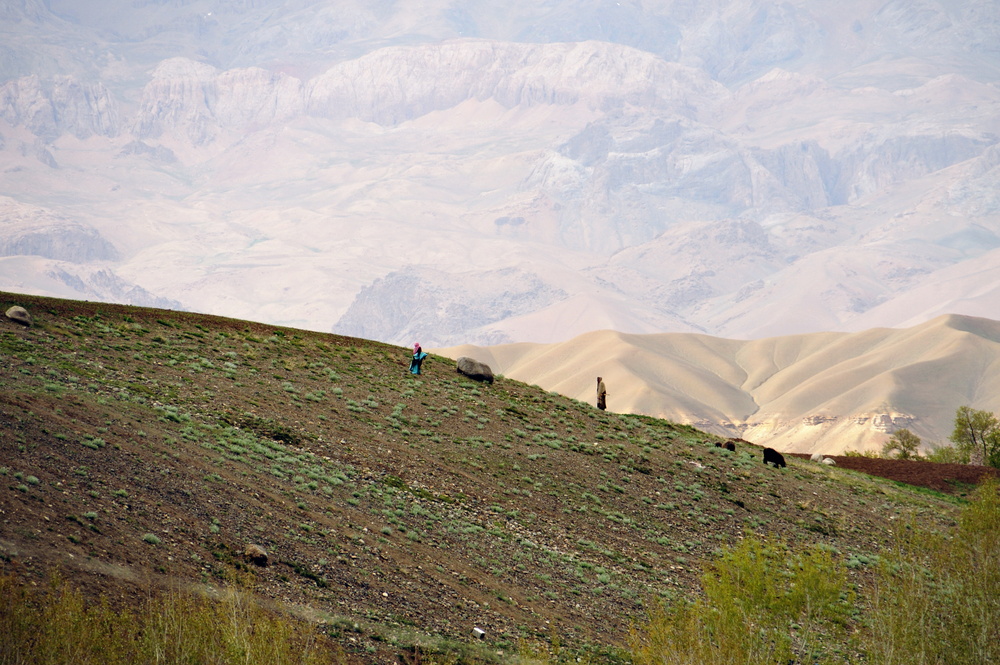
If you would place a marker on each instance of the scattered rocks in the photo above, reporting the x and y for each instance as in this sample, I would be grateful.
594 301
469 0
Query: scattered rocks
20 315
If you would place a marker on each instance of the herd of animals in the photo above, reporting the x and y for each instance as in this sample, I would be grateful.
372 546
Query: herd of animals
771 456
480 371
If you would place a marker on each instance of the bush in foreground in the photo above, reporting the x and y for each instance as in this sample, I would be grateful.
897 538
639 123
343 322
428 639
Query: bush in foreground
937 598
59 627
762 603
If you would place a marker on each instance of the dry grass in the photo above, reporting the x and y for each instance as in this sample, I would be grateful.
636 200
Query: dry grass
59 626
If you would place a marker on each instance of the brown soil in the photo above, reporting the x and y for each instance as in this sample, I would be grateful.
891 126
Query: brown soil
949 478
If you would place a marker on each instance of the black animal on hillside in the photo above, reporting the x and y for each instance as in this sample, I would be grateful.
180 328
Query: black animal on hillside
730 445
772 456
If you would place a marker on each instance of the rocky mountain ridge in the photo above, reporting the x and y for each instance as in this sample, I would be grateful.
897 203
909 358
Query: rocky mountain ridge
754 170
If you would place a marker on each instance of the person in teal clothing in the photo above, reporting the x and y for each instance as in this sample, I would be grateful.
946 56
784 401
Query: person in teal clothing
417 360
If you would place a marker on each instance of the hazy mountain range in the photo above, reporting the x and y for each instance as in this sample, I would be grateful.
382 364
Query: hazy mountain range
452 172
817 392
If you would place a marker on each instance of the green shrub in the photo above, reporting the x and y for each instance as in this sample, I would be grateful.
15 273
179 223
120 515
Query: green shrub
761 603
59 626
937 597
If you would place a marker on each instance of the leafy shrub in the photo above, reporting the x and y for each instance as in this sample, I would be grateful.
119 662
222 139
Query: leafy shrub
59 626
903 444
937 597
761 603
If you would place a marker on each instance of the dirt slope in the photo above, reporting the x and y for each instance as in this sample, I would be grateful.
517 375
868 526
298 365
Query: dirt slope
143 447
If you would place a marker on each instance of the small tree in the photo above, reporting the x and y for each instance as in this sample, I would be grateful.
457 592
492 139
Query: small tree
903 444
978 433
942 453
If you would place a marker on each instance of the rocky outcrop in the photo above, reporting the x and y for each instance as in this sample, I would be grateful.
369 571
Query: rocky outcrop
106 286
19 314
255 554
60 106
436 308
881 159
157 153
395 84
65 242
197 101
474 369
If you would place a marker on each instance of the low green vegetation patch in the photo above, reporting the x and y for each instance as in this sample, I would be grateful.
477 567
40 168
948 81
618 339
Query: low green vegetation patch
934 598
60 625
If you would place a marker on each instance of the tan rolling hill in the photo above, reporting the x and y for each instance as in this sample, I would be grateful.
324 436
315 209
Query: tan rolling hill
826 392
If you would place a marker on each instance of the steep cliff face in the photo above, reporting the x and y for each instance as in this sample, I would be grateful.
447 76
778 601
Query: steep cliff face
397 84
66 242
431 307
33 231
50 109
197 101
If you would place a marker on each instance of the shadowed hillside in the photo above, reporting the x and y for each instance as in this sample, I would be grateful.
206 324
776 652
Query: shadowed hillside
144 447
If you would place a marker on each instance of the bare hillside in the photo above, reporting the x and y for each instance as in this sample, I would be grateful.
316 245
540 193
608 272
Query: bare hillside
825 392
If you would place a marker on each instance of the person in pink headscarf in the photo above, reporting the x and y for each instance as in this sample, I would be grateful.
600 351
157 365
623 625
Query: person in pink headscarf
417 360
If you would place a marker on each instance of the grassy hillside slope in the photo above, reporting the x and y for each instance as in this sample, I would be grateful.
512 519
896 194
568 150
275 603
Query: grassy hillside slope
145 447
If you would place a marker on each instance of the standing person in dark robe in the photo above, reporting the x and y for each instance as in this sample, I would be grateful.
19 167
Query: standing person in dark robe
417 360
602 394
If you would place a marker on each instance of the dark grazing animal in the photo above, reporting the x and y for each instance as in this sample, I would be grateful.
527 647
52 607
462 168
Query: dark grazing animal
772 456
730 445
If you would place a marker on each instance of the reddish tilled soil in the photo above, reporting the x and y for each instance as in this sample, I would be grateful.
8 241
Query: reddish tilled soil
949 478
